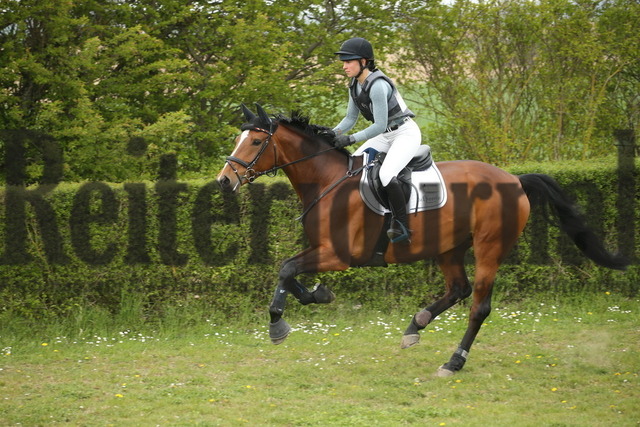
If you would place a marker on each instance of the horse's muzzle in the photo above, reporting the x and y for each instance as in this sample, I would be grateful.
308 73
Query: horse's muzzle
228 184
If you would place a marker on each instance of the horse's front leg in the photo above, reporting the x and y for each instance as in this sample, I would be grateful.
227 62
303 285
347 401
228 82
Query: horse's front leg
279 329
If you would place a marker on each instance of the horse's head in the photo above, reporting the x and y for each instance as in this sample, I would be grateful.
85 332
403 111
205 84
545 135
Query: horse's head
259 148
252 155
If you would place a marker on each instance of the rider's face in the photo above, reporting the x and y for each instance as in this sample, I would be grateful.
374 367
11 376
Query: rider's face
351 67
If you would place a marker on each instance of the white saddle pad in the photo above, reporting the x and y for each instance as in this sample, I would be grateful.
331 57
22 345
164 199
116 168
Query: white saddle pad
429 192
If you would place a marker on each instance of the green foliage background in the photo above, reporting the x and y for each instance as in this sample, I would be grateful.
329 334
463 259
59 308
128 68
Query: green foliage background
123 87
119 84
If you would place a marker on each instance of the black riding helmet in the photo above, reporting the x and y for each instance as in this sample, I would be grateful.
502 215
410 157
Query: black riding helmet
355 48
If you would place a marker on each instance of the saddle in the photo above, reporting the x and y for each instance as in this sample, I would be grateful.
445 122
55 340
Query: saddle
420 162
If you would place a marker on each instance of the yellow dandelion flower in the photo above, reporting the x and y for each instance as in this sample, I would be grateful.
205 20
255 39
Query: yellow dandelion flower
118 395
554 389
44 344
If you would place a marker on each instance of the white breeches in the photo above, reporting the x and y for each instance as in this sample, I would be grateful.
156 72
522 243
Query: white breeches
400 145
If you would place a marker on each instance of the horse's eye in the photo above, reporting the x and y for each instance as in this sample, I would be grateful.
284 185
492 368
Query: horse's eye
257 142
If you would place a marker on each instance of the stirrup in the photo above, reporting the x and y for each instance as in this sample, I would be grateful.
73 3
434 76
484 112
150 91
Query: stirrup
396 235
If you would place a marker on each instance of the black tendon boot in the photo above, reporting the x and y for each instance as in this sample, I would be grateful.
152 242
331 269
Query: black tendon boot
399 230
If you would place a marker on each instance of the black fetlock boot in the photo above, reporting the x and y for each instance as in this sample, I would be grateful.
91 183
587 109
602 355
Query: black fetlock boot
399 230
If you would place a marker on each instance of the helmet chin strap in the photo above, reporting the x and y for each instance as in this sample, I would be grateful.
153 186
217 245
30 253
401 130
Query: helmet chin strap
362 68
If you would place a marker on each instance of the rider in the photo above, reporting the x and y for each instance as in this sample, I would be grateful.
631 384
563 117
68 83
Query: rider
393 131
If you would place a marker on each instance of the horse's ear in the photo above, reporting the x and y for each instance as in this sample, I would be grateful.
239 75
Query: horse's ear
264 117
248 115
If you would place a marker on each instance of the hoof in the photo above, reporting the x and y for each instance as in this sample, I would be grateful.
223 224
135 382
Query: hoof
409 340
322 294
443 372
279 331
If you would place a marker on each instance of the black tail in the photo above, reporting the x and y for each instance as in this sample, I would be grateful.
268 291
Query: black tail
544 190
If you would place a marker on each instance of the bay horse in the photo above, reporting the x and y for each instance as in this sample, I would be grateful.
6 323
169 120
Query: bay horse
486 210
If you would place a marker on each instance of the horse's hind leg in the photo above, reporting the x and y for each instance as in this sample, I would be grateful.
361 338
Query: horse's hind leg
457 289
480 309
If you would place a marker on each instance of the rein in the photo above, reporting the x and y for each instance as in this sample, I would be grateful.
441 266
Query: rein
251 175
350 173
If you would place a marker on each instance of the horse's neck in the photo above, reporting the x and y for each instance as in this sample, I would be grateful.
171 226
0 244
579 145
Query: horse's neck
314 175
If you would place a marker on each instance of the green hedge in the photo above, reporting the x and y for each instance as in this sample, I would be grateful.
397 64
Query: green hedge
97 244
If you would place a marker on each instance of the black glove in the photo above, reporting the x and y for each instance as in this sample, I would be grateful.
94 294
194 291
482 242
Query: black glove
327 133
342 141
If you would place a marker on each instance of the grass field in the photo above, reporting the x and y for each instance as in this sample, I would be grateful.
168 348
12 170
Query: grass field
573 363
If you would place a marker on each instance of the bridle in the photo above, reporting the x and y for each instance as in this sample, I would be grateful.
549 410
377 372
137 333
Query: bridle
250 173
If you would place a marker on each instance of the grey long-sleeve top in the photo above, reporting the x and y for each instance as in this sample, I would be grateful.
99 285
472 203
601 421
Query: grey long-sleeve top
379 94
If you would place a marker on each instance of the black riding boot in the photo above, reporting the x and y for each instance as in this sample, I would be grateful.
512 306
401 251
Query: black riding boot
399 230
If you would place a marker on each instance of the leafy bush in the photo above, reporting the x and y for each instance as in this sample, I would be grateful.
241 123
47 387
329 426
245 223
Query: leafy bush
169 244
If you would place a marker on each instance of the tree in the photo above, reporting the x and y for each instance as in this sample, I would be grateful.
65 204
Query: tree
120 84
91 94
619 25
513 81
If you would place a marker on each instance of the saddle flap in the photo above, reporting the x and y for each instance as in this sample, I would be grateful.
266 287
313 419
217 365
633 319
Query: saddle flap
379 191
424 189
